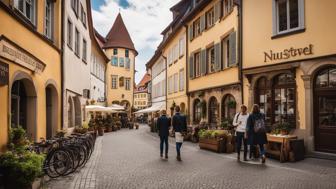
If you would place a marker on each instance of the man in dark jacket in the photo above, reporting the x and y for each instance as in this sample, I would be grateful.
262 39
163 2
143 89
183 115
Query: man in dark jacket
180 127
163 125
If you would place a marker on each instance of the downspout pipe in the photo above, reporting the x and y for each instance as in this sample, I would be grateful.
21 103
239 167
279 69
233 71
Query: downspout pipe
166 70
187 71
240 48
62 64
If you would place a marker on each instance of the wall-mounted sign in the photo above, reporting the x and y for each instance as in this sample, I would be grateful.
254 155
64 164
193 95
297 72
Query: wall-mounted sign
20 56
86 93
288 53
4 74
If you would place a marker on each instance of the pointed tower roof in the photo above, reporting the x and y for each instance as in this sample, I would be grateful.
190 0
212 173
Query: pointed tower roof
118 36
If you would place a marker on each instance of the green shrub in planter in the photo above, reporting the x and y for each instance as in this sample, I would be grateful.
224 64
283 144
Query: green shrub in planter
20 170
20 167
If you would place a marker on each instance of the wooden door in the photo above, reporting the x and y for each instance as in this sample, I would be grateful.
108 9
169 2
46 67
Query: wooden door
325 121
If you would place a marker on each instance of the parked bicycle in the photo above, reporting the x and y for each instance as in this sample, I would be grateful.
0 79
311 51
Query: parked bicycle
64 155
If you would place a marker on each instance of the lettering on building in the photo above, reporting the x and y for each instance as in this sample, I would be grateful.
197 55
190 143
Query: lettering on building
288 53
4 74
19 56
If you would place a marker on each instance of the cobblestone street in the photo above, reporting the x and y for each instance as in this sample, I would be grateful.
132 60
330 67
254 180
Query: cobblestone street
130 159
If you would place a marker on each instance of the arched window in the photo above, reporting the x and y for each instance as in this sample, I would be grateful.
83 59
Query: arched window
228 107
213 111
277 101
325 110
284 98
263 97
197 111
326 79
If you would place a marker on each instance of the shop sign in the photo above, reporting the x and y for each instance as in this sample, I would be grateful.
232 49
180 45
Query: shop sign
19 56
4 74
288 53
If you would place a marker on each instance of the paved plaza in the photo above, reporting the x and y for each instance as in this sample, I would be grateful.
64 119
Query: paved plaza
130 159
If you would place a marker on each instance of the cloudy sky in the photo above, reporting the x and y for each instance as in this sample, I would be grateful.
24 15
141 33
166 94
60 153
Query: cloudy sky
145 20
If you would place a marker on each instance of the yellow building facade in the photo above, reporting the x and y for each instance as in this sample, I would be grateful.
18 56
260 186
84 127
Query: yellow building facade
30 68
120 78
289 66
214 87
175 52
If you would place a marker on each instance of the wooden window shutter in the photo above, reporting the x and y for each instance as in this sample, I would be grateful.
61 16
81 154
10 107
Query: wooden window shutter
217 10
203 62
191 32
218 57
202 23
233 49
191 66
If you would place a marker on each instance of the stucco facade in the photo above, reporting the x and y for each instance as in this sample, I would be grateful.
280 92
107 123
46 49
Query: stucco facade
76 58
302 53
32 96
213 64
176 80
122 93
98 74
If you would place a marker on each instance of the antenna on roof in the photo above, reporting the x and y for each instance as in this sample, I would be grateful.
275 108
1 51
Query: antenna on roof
119 10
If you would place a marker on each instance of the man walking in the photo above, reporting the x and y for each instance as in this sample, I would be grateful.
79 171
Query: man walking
239 122
163 125
180 127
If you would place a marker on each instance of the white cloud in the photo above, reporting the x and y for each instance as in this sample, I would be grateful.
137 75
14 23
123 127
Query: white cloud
144 19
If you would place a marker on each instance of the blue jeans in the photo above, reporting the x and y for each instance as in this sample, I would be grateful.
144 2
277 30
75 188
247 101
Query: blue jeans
262 149
178 148
240 139
163 139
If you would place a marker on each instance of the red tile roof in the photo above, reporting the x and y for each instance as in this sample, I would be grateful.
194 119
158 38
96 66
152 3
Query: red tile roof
142 86
118 36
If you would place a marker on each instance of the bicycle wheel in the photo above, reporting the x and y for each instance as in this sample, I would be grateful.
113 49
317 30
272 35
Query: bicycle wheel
57 163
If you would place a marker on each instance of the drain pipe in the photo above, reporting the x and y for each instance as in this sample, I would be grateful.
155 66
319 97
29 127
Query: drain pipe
62 64
240 48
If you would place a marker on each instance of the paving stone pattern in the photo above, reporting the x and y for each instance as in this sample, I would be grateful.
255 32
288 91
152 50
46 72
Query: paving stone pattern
130 159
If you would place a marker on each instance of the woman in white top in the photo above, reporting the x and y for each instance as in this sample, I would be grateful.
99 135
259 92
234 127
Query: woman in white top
239 122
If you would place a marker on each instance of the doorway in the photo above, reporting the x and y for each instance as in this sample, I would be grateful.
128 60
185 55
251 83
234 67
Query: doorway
325 110
23 106
51 111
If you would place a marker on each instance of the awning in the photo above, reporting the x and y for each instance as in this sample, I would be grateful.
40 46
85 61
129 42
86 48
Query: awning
116 107
154 108
97 108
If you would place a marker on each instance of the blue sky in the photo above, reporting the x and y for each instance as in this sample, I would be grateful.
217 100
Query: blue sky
144 19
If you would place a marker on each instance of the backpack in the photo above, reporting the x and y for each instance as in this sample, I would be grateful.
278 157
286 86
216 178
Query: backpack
259 125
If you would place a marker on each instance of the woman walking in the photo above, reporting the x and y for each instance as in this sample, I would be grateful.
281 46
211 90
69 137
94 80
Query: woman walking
256 130
239 122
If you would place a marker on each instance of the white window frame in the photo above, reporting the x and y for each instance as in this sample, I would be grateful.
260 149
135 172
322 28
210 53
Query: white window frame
175 82
127 84
181 46
181 79
301 19
114 82
49 19
209 59
32 3
84 53
210 18
70 34
77 42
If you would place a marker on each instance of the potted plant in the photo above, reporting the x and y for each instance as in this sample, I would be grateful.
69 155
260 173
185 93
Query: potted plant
284 128
212 139
101 126
231 104
20 167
